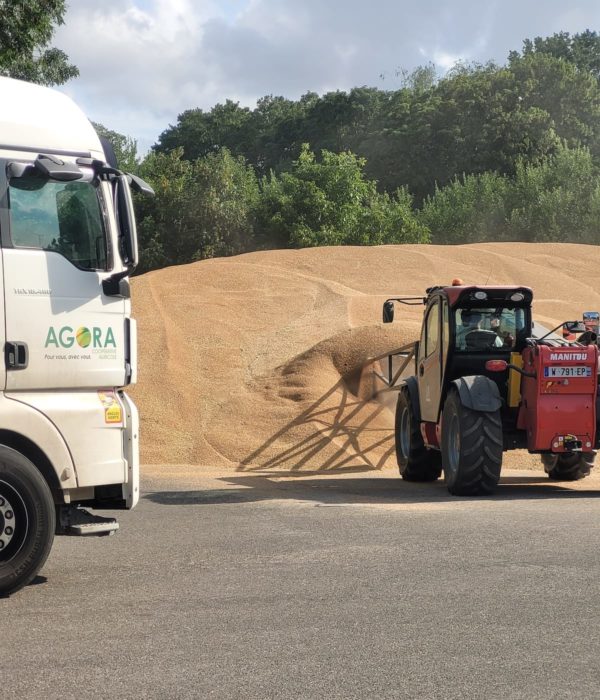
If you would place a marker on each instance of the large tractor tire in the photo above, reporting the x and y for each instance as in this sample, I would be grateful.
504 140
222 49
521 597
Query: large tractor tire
570 466
471 448
27 521
415 461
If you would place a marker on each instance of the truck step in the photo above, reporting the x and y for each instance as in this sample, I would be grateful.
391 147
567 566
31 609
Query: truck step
79 522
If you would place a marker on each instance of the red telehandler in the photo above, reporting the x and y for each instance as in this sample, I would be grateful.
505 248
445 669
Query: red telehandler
484 381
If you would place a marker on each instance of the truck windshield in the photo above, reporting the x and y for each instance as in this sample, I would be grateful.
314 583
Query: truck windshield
63 217
487 328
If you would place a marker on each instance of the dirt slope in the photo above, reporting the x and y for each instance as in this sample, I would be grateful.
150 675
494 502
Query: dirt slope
253 362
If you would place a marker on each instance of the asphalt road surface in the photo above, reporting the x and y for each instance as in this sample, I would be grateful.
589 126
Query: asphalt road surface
335 586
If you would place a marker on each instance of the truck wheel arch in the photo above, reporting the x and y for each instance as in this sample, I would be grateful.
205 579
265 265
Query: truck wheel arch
25 429
478 393
36 456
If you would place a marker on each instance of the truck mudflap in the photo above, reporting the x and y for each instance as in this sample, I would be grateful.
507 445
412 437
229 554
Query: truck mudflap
478 393
131 437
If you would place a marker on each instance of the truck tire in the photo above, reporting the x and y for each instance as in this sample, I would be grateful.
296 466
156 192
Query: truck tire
27 521
569 466
415 461
471 448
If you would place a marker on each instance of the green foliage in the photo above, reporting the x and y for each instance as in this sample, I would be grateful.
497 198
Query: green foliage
570 97
469 209
421 79
582 50
485 118
552 201
330 202
227 199
125 148
200 133
555 200
202 209
270 137
477 118
26 30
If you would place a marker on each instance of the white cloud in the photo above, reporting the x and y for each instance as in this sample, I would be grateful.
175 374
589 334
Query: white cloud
142 62
445 61
137 63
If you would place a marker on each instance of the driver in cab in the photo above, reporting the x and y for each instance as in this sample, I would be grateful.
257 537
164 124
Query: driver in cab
471 336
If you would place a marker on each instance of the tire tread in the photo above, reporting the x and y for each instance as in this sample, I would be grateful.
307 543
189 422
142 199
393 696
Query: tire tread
571 466
423 464
481 448
22 474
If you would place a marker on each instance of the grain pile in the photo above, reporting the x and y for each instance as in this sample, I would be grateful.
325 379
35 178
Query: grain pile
253 362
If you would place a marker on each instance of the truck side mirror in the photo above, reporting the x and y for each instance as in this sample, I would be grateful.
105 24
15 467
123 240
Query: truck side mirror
591 321
574 326
126 221
388 311
128 246
138 185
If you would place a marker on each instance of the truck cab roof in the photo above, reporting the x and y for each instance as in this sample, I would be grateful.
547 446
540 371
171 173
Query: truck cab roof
38 119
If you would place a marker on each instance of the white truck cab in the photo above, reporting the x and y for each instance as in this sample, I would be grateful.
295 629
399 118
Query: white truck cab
68 431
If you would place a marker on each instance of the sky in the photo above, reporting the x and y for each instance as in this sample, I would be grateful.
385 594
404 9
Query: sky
143 62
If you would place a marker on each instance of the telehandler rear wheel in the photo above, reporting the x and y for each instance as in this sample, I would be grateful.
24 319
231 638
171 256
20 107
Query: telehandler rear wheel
570 466
27 521
471 448
415 461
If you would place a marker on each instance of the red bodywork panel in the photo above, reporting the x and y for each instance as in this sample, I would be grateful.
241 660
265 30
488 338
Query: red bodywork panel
558 406
431 434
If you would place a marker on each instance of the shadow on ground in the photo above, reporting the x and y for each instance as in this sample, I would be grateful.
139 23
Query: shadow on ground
37 581
333 423
332 490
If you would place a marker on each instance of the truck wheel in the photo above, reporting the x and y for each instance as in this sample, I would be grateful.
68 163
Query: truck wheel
27 521
471 448
569 466
415 461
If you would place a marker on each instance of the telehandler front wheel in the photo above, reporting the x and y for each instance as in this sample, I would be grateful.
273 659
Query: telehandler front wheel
27 521
569 466
471 448
415 461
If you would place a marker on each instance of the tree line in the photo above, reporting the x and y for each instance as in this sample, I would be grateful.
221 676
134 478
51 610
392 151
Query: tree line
485 152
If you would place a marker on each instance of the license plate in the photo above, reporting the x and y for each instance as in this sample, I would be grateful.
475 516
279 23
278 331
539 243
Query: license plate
562 371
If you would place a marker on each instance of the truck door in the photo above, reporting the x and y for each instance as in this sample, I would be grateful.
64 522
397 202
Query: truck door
3 231
429 364
62 331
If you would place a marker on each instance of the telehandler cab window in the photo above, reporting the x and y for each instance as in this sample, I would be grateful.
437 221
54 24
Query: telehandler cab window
64 217
432 334
485 329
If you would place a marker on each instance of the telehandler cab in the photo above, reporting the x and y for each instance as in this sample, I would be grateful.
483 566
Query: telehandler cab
486 381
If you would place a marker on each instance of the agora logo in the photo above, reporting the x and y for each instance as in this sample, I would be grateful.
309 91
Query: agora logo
95 337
